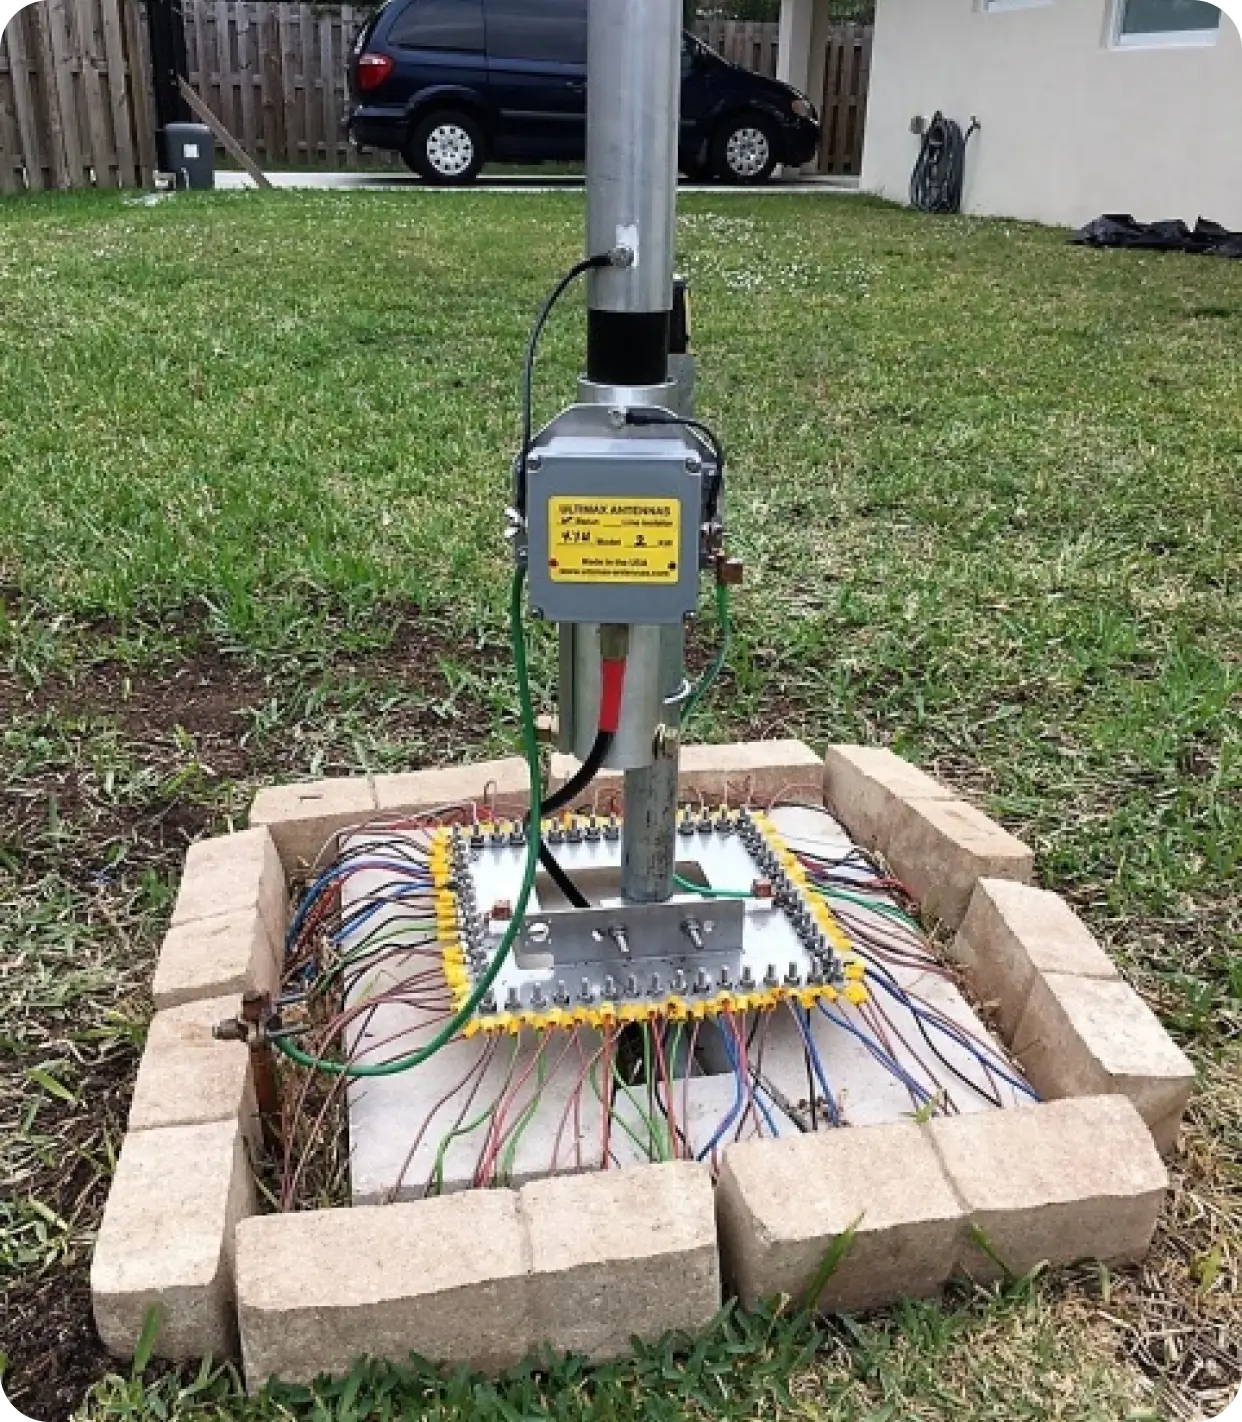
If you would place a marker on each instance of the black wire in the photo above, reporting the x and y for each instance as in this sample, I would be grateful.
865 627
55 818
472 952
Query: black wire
666 417
569 792
577 899
528 366
940 170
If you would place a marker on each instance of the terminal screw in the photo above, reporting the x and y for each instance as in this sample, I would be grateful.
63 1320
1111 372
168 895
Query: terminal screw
693 930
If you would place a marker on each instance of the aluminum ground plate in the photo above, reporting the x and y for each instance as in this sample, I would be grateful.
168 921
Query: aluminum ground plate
748 934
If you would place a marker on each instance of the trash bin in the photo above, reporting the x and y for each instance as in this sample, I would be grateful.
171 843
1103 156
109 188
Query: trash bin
190 153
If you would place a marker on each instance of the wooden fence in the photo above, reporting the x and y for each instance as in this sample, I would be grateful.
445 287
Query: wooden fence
750 43
843 108
75 105
75 100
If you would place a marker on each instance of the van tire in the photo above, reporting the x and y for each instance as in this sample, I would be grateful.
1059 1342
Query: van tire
744 149
446 148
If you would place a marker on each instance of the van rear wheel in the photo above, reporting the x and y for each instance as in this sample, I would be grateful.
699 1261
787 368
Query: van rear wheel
446 147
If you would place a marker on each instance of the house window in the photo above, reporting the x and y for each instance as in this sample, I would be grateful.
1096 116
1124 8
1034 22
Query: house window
1144 23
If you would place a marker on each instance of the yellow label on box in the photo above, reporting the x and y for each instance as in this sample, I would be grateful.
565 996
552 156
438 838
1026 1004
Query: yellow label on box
614 540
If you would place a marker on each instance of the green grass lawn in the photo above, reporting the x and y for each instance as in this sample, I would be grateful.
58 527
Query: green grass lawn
253 464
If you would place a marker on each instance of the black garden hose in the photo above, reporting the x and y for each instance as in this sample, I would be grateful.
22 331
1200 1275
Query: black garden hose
940 172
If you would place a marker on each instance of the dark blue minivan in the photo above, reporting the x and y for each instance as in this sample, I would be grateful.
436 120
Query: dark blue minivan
453 83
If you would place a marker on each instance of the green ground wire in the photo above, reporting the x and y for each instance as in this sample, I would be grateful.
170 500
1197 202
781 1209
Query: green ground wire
709 677
530 748
437 1170
689 887
620 1120
876 905
505 1169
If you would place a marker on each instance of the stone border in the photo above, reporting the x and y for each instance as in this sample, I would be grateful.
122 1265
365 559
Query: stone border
584 1263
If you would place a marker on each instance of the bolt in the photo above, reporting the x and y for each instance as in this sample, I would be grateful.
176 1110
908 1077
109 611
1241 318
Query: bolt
793 977
694 464
513 1000
770 978
701 981
537 998
654 989
679 981
586 993
748 978
610 986
631 985
534 463
561 995
726 979
489 1002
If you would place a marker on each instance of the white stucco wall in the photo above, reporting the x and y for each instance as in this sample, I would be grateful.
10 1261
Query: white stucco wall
1072 126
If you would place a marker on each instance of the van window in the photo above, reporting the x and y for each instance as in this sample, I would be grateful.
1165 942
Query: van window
554 31
440 24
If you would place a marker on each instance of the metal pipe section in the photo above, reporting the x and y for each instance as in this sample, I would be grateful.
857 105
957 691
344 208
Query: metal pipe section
633 113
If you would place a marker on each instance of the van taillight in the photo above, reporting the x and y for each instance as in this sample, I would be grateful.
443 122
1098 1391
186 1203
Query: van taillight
373 69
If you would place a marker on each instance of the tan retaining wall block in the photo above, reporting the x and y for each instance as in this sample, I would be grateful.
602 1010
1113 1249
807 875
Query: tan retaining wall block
1060 1182
781 1206
1010 933
621 1254
167 1240
1086 1036
446 1278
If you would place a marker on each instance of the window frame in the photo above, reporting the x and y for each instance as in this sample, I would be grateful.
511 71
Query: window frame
1161 39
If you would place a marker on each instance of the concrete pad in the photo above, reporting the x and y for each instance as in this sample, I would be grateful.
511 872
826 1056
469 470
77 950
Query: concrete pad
506 781
866 1091
397 1123
167 1241
224 956
866 786
1088 1036
447 1279
234 873
623 1254
1069 1180
186 1078
1013 931
303 818
741 772
783 1205
701 1106
942 848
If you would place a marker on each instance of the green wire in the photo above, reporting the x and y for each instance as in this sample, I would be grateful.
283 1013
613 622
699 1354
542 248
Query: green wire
876 905
709 677
689 887
531 749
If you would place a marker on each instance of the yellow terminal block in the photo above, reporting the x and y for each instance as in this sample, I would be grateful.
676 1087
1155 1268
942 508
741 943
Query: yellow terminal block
855 971
856 993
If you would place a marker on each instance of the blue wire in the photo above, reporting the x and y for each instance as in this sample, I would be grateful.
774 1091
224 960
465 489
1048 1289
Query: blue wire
879 1053
395 893
737 1104
331 875
955 1034
803 1019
